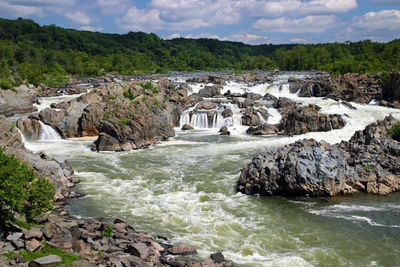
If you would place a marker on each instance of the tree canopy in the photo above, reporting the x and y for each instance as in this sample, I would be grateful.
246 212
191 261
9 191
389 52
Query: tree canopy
45 54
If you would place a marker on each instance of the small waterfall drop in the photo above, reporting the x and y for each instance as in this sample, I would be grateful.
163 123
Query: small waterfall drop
47 133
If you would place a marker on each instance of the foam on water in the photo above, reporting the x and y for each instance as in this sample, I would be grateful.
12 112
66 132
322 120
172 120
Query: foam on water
185 191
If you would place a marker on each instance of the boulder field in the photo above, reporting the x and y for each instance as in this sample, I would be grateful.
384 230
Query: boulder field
368 163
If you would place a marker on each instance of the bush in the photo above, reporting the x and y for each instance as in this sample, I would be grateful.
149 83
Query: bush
20 191
108 231
129 94
395 131
5 84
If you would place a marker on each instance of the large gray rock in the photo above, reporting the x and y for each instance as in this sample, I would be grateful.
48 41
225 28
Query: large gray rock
45 261
210 91
368 163
19 102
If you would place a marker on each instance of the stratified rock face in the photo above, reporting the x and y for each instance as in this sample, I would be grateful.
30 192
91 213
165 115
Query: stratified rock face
360 88
391 88
19 102
29 128
368 163
295 120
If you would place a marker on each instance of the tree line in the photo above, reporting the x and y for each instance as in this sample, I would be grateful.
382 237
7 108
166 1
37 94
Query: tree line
47 54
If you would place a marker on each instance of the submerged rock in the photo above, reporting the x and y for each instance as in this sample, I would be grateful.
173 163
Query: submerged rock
368 163
187 127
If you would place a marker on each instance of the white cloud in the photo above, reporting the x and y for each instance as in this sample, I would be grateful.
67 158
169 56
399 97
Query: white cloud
78 17
377 26
169 18
385 2
91 28
388 20
278 8
194 14
308 24
7 9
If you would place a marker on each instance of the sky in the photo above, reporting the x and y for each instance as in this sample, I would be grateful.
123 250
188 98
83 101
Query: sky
248 21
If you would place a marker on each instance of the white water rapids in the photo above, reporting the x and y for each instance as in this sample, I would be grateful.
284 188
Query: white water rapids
184 190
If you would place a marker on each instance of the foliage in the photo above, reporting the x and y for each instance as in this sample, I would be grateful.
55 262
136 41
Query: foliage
107 115
395 132
368 167
45 54
156 103
20 191
5 84
149 86
67 259
23 224
108 232
130 94
124 121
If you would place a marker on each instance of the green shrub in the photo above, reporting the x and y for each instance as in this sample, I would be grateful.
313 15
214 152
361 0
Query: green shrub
124 121
149 86
6 84
156 103
108 232
395 131
106 115
129 94
67 259
368 167
20 191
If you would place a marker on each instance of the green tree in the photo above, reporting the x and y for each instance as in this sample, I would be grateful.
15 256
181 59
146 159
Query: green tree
20 191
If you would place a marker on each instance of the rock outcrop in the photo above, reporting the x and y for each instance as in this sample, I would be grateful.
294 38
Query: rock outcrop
368 163
391 91
296 119
56 169
361 88
17 102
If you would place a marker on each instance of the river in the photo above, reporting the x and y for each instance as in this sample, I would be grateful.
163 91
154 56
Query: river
184 189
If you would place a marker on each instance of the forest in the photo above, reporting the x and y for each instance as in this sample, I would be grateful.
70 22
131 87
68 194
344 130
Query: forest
49 55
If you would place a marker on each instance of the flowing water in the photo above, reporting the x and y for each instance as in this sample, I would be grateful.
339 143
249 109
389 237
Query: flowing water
184 190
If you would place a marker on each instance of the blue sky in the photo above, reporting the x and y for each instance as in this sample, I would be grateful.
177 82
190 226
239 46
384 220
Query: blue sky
248 21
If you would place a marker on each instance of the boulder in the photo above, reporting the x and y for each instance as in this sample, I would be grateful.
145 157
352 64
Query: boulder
368 163
264 129
207 105
224 131
227 113
106 142
46 261
182 250
187 127
210 91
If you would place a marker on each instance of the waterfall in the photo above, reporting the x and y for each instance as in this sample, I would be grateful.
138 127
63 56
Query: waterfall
274 116
47 133
261 118
218 121
199 120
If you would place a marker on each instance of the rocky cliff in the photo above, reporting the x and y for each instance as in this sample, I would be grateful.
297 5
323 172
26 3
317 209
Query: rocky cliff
368 163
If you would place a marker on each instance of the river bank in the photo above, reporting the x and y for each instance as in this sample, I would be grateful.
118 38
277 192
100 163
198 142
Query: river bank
185 190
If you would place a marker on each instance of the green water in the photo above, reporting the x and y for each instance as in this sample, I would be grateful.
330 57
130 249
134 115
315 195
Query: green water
186 193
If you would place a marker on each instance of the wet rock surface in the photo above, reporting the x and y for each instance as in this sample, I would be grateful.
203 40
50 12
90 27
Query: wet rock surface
296 120
368 163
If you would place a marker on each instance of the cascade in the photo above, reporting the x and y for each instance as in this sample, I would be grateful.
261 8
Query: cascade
47 133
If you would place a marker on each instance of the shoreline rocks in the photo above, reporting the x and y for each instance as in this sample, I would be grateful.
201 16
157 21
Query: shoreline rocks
96 241
368 163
